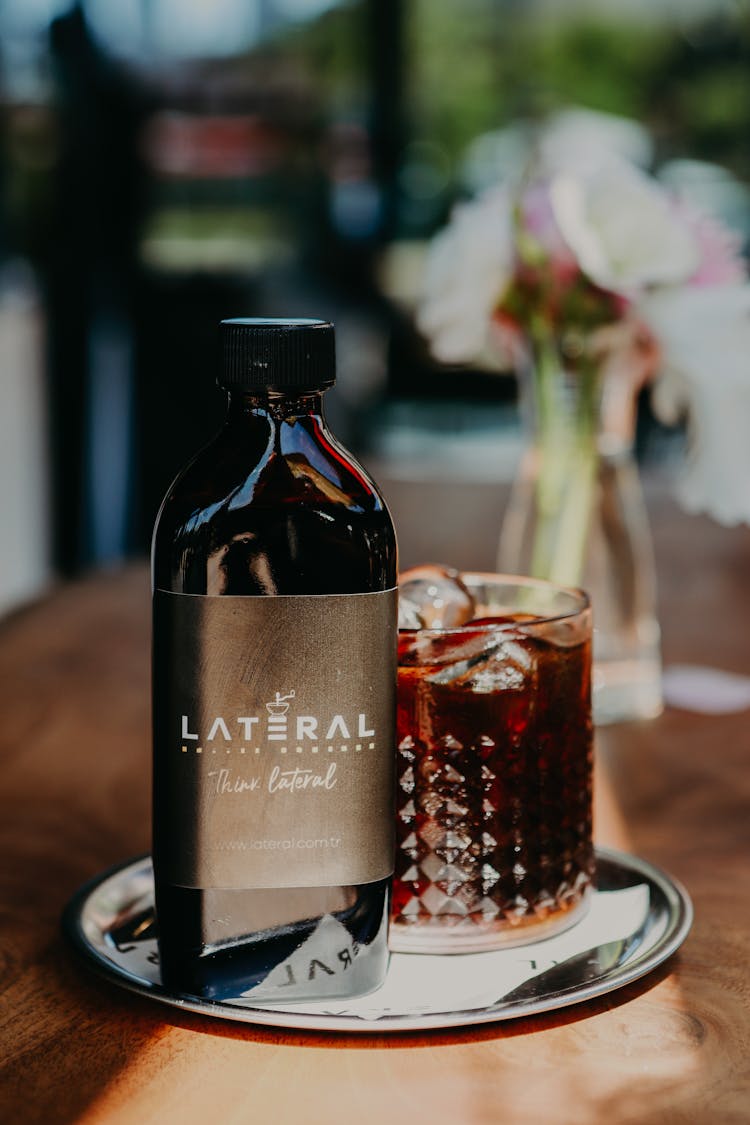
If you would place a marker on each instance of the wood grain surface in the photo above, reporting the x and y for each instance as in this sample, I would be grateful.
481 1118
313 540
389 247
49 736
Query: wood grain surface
74 798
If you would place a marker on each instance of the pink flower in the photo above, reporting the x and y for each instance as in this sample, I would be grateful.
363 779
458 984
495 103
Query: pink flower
719 249
538 219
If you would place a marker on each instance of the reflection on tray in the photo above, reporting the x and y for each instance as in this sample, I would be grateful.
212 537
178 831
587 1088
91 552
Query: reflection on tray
621 920
638 917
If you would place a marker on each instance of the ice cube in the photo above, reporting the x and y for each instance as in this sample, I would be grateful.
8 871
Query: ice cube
505 665
437 596
509 668
408 613
431 648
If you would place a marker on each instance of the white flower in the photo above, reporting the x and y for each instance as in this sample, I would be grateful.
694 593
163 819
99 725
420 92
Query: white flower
468 268
704 335
577 136
622 227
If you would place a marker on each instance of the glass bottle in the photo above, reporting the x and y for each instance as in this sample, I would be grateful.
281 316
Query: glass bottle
274 575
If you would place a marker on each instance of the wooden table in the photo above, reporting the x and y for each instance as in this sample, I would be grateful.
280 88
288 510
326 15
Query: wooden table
74 792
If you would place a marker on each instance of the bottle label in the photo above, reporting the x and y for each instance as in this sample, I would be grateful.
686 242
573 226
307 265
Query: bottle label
274 739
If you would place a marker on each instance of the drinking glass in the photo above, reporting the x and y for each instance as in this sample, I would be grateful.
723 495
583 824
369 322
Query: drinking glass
494 771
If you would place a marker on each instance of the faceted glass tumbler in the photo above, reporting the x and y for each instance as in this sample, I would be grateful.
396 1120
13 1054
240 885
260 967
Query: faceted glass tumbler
494 771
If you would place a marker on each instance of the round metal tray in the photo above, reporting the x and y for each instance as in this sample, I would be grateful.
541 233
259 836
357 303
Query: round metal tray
637 918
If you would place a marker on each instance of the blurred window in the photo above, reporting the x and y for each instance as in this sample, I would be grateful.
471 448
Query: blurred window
166 162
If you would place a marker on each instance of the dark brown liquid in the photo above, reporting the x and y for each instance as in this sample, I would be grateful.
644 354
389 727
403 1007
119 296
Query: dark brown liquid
494 769
272 506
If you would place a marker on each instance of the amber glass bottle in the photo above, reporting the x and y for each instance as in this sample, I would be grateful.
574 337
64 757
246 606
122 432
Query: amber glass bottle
274 575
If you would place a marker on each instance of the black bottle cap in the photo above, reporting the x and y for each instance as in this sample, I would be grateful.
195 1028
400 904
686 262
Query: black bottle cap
285 354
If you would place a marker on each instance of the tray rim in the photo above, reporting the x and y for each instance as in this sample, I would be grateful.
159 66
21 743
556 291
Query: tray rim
679 912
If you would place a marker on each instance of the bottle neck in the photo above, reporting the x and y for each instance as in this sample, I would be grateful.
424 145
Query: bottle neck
276 406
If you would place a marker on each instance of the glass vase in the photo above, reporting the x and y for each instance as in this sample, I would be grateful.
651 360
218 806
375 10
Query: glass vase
577 516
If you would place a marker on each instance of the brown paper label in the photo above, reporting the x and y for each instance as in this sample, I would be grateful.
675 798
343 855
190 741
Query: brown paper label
274 739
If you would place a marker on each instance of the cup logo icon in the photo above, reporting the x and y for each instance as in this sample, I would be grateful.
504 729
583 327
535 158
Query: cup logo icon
277 716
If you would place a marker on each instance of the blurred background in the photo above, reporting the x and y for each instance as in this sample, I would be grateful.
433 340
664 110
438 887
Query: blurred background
167 163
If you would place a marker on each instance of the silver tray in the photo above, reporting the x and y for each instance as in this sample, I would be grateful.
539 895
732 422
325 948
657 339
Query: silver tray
637 918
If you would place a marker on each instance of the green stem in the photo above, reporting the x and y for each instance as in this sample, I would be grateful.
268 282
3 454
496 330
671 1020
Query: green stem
567 462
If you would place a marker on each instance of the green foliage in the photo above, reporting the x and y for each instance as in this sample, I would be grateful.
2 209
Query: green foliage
472 66
460 78
713 109
332 51
605 66
479 65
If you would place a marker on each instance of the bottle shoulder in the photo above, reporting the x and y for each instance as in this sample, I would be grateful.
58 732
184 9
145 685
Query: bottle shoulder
288 506
298 469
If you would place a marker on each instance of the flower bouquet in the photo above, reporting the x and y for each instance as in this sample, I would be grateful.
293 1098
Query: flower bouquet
591 280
